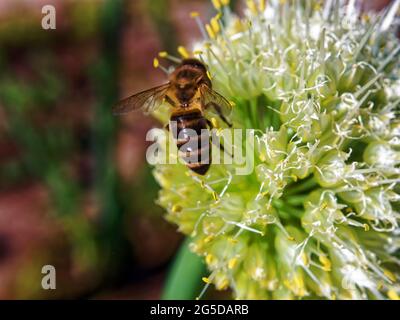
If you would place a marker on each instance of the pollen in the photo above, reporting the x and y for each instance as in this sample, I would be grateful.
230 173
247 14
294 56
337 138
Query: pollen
318 6
194 14
232 240
206 280
215 24
210 258
216 4
223 285
296 284
232 263
304 258
326 263
214 122
225 2
163 54
262 5
365 17
392 294
252 6
390 275
183 52
156 63
176 208
215 196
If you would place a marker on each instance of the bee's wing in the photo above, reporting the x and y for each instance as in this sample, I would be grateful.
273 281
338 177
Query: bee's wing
215 104
147 100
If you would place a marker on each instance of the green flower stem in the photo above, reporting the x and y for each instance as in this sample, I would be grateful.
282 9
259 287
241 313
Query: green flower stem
183 280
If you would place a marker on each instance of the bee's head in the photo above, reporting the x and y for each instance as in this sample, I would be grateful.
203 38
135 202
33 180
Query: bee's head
187 77
185 89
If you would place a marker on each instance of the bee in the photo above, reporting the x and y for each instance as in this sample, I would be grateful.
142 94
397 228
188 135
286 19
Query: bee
192 102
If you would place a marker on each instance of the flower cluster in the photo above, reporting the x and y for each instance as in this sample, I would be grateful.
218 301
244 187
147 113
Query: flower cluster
319 85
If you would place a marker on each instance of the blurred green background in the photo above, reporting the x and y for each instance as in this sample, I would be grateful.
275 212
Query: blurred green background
75 189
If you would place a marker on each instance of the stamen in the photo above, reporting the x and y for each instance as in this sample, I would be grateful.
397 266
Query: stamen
252 6
215 24
392 294
196 16
262 5
210 258
166 55
207 281
326 263
156 64
233 241
176 208
389 274
242 226
232 263
183 52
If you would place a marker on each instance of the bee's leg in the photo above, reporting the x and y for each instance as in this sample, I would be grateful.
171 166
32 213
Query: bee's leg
169 100
217 108
214 139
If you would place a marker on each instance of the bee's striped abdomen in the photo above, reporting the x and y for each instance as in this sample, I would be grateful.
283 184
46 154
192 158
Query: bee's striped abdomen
192 139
